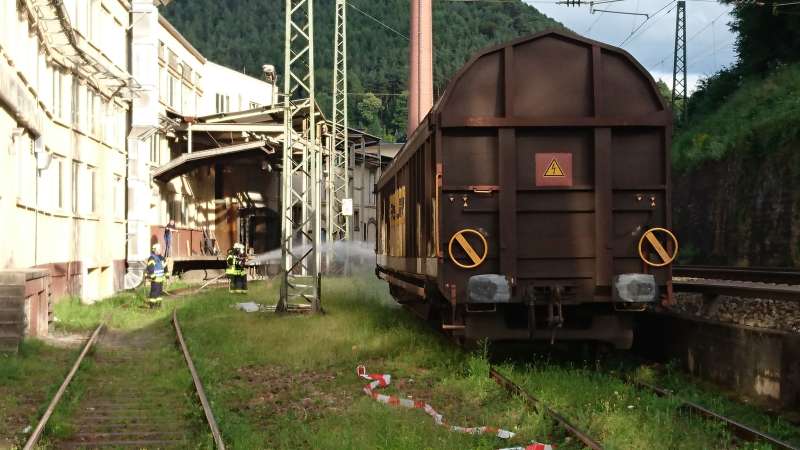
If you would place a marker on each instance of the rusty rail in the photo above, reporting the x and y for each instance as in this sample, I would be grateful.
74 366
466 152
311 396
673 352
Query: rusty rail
778 275
212 423
537 404
738 429
749 282
37 432
746 289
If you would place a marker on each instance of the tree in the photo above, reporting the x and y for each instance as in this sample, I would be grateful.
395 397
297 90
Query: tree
369 112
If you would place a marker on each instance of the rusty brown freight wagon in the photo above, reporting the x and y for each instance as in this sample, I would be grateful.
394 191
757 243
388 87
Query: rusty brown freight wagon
533 200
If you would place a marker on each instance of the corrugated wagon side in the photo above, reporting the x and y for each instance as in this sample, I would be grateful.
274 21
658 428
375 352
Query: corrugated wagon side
533 201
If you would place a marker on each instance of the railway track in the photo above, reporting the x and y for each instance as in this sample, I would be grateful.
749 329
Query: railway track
758 282
130 397
737 429
539 406
774 275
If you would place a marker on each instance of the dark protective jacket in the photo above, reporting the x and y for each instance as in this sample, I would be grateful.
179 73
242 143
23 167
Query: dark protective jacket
155 268
235 262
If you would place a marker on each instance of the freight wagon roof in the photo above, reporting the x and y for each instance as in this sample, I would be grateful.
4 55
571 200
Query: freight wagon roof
554 79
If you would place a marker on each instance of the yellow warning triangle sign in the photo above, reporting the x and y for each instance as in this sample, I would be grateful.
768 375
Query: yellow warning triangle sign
554 170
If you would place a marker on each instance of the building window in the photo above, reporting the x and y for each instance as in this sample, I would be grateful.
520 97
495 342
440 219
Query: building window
58 166
86 125
163 84
26 169
119 196
76 171
96 115
371 187
76 109
223 103
155 157
58 96
171 96
356 221
93 185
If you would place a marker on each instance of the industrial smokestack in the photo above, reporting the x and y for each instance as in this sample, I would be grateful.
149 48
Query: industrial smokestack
420 81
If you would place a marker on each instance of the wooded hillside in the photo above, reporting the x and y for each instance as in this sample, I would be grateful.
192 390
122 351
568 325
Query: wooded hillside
244 34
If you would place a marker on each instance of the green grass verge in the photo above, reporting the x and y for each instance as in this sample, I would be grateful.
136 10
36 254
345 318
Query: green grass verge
288 381
27 382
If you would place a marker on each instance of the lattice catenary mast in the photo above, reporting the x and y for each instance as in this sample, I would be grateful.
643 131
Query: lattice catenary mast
679 65
302 163
339 160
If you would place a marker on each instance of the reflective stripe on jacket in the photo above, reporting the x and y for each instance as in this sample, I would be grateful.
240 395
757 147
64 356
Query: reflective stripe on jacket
155 268
234 265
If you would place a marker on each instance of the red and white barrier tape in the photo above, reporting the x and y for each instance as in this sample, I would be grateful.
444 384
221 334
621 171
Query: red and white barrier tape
383 380
534 446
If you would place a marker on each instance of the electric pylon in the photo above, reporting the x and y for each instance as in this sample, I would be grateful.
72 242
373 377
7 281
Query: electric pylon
302 163
339 160
679 66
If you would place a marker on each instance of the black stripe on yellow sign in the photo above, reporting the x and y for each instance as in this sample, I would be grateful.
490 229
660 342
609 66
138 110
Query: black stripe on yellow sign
663 254
468 248
475 257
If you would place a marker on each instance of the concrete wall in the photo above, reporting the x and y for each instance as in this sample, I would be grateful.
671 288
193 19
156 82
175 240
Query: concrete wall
68 211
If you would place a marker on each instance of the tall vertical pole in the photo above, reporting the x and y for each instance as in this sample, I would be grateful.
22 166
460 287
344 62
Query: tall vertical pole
302 162
679 88
339 224
420 85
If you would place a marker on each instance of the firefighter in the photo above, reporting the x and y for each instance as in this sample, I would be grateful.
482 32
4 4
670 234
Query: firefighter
156 270
235 270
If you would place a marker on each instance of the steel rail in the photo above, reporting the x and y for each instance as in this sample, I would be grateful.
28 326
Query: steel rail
37 432
739 429
778 275
537 404
212 423
747 289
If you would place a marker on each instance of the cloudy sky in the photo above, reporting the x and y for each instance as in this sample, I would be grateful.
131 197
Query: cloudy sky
710 42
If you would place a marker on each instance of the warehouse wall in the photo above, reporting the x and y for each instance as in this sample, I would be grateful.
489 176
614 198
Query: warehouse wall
62 147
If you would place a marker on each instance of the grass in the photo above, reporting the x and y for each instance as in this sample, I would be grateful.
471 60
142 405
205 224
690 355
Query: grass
720 401
27 381
288 381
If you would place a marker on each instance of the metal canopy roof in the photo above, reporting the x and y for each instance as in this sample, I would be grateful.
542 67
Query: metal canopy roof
240 134
190 161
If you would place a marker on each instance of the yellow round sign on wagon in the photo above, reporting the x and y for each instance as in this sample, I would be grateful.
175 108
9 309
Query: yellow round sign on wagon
666 253
476 257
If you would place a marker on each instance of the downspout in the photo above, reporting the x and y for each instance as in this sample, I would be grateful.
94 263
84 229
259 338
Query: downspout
128 126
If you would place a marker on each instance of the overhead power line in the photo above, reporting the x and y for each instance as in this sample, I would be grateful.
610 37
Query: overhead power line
654 17
378 21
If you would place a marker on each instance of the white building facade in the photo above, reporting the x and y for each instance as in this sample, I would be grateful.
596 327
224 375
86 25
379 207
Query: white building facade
63 120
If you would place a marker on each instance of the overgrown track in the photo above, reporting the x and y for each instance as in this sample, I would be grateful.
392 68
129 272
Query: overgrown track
738 429
761 282
535 403
132 395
